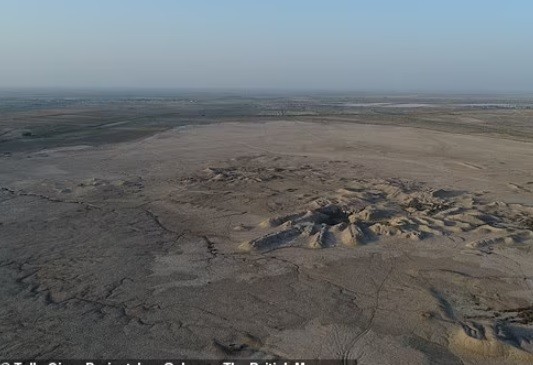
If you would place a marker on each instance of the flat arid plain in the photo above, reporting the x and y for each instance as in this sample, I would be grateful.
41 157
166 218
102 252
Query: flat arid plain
386 229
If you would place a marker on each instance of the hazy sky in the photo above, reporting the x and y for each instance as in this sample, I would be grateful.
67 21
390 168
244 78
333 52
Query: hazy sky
430 45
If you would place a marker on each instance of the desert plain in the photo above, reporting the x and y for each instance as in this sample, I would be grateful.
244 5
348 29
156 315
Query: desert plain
384 229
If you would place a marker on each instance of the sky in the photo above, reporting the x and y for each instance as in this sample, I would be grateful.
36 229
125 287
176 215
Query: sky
359 45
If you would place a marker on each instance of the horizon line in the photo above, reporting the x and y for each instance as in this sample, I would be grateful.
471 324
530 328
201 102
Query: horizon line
268 90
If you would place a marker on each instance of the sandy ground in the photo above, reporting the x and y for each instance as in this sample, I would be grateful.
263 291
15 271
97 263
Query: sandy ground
385 244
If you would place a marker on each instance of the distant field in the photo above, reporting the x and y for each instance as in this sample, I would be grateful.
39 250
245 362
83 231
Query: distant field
35 120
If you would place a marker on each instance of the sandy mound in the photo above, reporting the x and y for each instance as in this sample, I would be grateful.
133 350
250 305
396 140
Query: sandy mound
365 213
500 342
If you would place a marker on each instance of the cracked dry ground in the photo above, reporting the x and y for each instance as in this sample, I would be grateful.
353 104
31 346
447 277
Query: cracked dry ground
259 255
